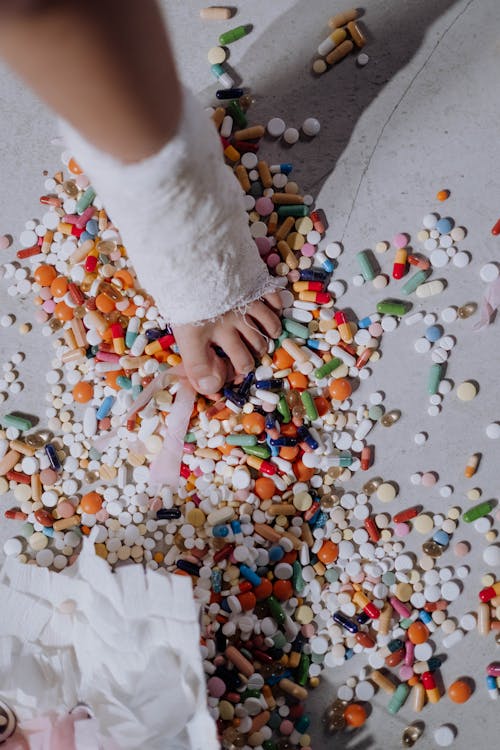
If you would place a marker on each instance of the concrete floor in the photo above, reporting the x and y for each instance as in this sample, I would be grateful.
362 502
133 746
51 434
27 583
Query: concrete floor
421 116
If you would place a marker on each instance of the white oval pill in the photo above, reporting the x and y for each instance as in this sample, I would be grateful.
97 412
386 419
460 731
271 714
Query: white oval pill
430 288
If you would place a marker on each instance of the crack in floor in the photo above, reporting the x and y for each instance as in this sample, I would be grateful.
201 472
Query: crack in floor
394 110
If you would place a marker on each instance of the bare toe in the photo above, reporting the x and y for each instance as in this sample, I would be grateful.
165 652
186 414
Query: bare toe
267 319
252 335
237 351
204 369
274 300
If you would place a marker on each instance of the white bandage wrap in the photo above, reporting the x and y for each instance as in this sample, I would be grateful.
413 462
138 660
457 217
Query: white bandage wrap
181 217
125 643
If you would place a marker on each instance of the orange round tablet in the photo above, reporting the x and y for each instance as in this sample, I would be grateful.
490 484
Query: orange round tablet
44 275
104 303
282 360
355 715
298 381
59 286
328 552
73 167
63 312
443 195
247 600
322 406
91 502
418 632
289 452
302 472
340 389
283 590
254 423
83 392
460 691
264 488
263 590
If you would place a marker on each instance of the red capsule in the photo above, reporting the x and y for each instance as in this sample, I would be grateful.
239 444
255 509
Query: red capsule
185 471
90 263
50 200
364 639
76 231
399 267
392 660
428 680
405 515
363 358
366 454
15 514
372 529
44 518
245 146
224 553
18 476
309 513
28 252
496 228
317 221
418 262
76 293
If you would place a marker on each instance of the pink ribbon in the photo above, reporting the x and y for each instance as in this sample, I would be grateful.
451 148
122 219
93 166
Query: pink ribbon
489 304
52 732
165 467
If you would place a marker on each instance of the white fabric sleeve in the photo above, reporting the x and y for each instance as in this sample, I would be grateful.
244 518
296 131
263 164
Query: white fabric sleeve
181 217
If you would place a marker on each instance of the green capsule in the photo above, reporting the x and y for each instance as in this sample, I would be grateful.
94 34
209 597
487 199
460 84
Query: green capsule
405 623
414 281
276 610
284 410
261 451
309 405
242 439
26 530
297 581
295 329
13 420
239 117
249 692
392 307
85 200
279 640
327 368
478 511
228 37
190 437
398 698
434 378
302 673
366 265
124 382
295 209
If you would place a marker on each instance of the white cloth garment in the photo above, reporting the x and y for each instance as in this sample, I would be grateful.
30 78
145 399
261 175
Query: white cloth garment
181 217
125 643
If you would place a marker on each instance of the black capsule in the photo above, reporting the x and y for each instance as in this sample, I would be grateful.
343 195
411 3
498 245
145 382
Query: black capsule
229 93
167 514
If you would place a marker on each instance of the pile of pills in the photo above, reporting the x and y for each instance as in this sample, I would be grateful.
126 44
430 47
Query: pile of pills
293 568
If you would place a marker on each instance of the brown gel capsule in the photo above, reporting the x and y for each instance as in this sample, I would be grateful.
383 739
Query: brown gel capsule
339 52
341 19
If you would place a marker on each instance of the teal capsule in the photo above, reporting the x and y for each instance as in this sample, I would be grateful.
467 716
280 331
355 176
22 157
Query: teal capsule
284 410
327 368
190 437
85 200
279 639
478 511
14 420
434 378
261 451
295 329
239 117
309 405
405 623
392 307
26 530
276 610
294 209
241 438
297 581
398 698
366 265
228 37
415 281
124 382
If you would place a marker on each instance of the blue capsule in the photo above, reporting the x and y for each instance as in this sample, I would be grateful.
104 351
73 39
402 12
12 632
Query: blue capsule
250 575
306 437
236 527
441 538
105 407
424 616
244 388
273 384
234 397
346 623
283 441
368 320
220 530
313 274
51 454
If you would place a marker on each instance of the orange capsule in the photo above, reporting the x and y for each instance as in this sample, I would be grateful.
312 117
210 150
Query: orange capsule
322 406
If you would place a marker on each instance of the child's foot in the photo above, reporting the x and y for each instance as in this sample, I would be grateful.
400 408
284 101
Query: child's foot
242 337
